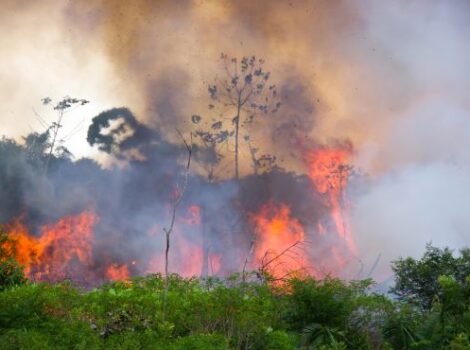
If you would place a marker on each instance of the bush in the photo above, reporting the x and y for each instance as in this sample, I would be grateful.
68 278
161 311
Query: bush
11 273
200 342
213 313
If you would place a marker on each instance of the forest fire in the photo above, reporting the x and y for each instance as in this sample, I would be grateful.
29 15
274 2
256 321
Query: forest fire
180 242
278 237
116 272
329 171
282 244
63 250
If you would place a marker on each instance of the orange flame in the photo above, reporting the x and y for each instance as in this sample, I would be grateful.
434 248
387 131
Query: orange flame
58 250
329 171
194 216
185 257
277 236
116 272
186 253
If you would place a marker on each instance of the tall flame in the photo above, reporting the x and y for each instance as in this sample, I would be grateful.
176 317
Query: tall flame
116 272
58 250
65 249
329 171
184 246
278 234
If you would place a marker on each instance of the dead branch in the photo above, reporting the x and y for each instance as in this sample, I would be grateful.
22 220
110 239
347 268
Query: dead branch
174 209
178 199
250 253
374 266
264 264
281 253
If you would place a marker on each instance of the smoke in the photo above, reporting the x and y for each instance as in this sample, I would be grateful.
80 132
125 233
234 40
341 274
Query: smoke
391 77
419 163
133 202
423 197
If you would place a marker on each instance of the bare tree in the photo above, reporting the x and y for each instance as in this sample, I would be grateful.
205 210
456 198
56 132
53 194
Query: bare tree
174 208
260 163
177 200
248 256
242 93
237 96
61 107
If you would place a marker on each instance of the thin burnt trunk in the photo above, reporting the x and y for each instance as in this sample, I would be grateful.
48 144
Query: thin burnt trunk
205 242
237 130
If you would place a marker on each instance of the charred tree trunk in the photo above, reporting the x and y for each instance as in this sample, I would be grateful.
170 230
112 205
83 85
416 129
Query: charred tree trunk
169 230
205 241
237 131
55 130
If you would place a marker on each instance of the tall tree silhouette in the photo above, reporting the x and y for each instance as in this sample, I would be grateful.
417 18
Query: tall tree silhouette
62 107
238 96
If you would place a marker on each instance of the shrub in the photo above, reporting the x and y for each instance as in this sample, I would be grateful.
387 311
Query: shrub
11 273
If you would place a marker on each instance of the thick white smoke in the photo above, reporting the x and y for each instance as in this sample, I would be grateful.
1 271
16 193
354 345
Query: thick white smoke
420 188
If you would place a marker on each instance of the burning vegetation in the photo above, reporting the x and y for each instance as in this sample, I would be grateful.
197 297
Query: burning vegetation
184 198
60 251
273 233
156 213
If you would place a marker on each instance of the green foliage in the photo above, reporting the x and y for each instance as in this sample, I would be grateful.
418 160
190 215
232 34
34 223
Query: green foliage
200 342
39 317
327 303
201 314
279 340
11 273
400 328
233 313
417 281
435 294
460 342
